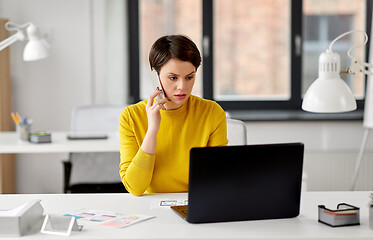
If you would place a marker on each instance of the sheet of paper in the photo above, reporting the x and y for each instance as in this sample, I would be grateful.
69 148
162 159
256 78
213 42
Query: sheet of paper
107 218
126 220
93 216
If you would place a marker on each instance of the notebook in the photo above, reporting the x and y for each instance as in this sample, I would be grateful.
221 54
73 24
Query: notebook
251 182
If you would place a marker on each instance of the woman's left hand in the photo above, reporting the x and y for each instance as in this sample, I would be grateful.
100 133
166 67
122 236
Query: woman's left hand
153 111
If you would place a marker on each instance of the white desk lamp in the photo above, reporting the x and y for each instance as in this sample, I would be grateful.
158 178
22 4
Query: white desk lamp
330 94
35 49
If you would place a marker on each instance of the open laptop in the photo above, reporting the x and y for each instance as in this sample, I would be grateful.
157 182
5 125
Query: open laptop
250 182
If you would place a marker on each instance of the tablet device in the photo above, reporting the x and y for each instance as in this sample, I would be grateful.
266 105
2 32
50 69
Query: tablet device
86 136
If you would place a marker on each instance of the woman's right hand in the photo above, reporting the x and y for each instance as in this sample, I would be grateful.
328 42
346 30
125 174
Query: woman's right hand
153 111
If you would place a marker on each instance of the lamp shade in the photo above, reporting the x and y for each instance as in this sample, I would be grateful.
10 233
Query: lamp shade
329 93
36 48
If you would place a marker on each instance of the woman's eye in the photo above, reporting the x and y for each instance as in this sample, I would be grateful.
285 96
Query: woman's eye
172 78
190 77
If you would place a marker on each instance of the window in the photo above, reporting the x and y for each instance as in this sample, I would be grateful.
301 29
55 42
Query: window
323 22
251 50
257 55
160 17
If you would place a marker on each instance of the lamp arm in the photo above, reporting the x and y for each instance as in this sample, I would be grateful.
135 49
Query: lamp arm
7 42
19 35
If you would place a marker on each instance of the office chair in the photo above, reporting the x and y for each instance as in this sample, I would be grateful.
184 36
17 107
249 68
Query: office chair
237 135
236 132
94 172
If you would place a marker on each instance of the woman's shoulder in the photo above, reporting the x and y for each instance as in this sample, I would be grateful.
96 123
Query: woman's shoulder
205 104
135 109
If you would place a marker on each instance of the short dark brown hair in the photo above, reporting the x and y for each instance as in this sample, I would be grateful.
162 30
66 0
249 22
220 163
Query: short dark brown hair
173 46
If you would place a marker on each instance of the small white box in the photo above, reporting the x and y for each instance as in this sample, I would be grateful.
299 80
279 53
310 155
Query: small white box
18 221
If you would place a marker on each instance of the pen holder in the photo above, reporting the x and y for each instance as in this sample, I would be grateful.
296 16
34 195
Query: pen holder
23 131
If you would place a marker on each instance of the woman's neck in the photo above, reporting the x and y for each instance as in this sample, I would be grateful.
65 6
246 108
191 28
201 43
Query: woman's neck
172 106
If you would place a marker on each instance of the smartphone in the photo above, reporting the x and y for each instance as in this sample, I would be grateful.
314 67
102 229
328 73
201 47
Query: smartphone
156 83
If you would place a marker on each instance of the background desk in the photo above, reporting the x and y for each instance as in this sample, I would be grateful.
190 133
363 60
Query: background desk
167 225
60 144
9 144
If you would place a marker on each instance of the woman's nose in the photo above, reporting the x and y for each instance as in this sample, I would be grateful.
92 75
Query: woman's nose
181 84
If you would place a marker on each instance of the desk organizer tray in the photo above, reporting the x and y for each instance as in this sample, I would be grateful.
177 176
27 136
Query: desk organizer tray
40 137
344 215
18 221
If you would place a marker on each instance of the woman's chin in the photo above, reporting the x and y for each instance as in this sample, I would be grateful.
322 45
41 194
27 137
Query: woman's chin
175 104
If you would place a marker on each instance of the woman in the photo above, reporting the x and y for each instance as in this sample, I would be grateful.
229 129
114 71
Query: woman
157 135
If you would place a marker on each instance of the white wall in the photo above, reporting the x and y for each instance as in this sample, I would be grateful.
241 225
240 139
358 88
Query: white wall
87 67
331 150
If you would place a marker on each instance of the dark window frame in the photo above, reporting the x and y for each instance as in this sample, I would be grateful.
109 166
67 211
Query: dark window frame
292 105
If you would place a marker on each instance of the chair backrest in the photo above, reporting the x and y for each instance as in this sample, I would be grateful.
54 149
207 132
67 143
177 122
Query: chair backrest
236 132
96 118
95 167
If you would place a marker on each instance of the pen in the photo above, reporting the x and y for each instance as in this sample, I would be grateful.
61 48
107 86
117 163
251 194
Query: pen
15 119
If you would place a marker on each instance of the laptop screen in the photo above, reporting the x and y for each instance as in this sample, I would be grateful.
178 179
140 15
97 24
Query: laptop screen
248 182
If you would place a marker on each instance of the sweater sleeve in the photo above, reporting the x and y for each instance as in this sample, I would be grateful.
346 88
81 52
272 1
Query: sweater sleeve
136 166
218 136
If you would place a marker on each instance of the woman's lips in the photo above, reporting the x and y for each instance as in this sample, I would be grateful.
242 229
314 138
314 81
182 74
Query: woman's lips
180 96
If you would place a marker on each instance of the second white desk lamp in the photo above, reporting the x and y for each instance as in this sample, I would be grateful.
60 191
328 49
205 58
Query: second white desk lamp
330 94
36 48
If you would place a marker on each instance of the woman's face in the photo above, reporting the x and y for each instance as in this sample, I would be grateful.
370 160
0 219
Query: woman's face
177 78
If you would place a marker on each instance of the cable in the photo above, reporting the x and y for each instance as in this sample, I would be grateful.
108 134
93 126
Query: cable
361 65
11 26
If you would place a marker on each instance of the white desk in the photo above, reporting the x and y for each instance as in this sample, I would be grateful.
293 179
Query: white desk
9 143
167 225
60 144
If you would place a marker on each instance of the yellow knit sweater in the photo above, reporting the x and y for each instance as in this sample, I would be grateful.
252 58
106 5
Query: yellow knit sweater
197 123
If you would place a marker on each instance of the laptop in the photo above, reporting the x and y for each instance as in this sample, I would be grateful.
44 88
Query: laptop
237 183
